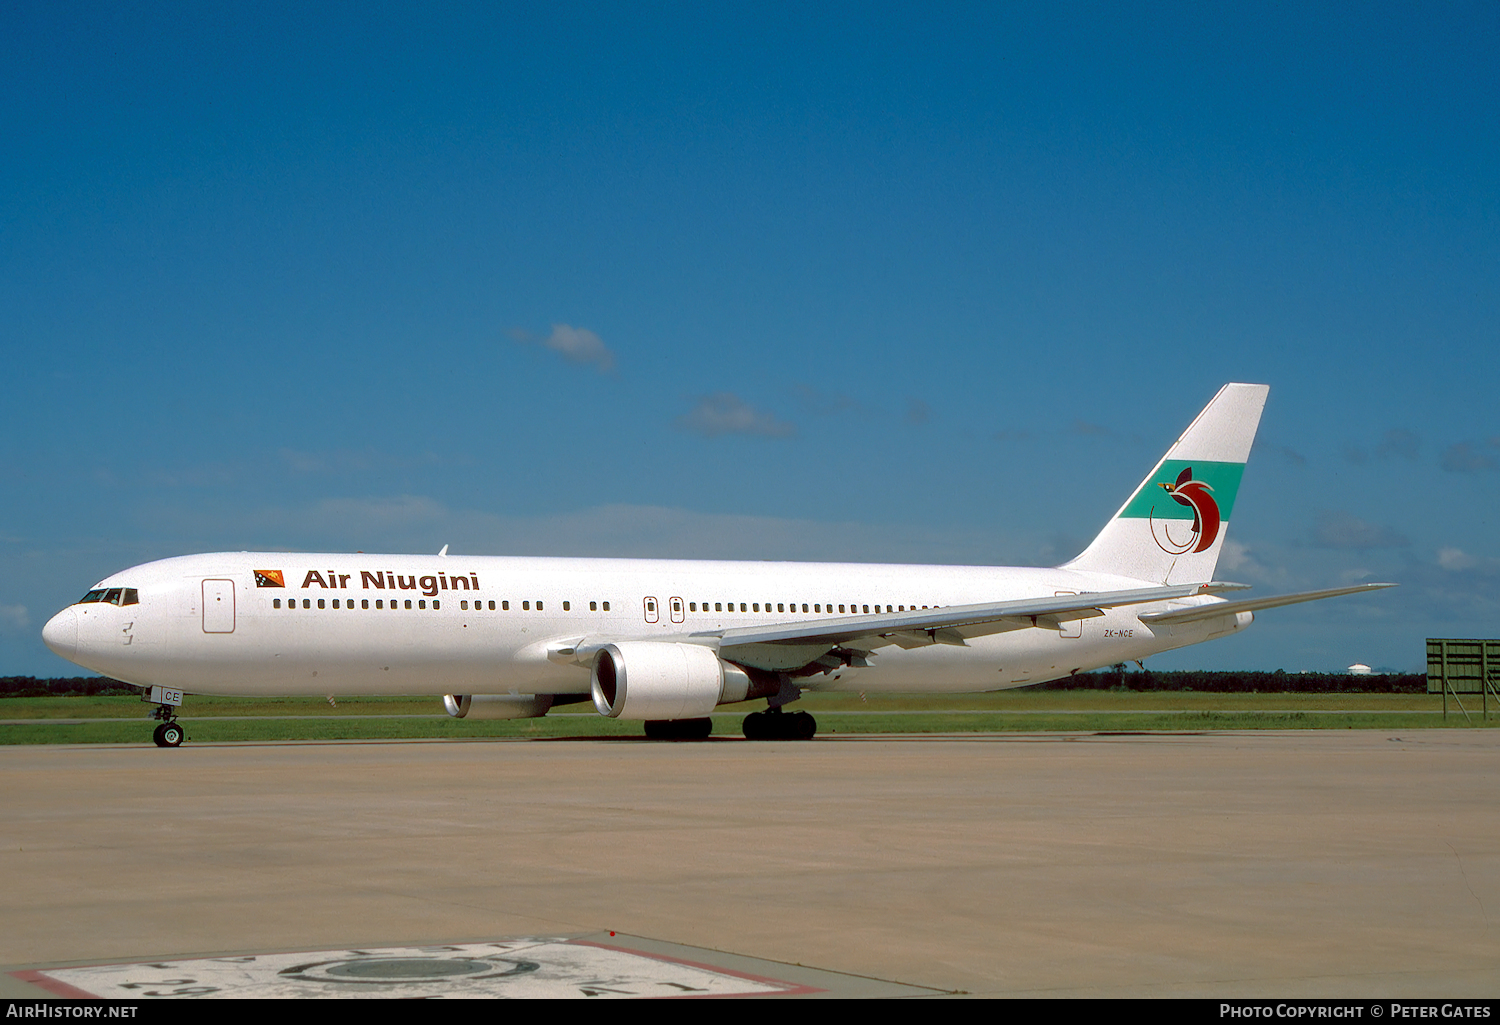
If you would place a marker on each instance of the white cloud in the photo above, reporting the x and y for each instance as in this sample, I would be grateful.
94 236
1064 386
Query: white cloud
411 523
1470 456
582 346
349 461
365 521
14 617
829 403
1342 530
1235 556
1399 442
726 413
1455 559
642 531
1240 562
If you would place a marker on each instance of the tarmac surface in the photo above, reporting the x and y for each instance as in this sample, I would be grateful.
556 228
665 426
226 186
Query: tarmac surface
1356 863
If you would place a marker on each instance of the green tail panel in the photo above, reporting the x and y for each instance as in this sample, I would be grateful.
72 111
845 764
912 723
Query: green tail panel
1223 480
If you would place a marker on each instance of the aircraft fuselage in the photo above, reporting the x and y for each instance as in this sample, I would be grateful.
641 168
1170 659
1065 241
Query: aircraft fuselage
258 623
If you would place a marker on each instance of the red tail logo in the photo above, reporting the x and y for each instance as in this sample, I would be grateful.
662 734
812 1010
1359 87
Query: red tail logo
1198 497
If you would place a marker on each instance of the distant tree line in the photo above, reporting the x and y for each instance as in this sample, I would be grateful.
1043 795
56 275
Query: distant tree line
1279 682
32 687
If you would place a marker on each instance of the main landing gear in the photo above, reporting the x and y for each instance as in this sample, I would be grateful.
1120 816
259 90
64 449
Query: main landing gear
774 724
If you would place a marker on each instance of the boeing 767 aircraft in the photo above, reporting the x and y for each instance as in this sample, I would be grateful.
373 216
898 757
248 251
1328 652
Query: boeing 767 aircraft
668 641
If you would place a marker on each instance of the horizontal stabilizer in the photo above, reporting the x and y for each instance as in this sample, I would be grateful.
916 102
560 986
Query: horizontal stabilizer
1224 608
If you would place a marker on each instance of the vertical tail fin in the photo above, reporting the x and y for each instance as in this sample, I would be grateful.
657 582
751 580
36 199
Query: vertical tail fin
1172 529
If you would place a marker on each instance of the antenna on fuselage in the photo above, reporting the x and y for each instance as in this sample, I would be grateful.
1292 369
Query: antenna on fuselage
444 552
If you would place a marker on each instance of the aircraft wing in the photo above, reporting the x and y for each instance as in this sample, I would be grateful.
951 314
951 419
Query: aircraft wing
785 646
1198 612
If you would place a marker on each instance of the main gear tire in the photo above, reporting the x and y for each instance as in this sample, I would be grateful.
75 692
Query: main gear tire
779 726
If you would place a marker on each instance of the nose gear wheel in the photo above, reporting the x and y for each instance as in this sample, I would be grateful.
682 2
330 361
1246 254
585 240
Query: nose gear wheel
168 734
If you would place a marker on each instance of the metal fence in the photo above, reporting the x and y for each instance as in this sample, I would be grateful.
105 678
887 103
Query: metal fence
1465 665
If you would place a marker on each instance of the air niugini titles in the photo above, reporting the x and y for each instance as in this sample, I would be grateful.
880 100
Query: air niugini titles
379 580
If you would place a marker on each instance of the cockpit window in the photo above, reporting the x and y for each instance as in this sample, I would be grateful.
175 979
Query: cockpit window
113 596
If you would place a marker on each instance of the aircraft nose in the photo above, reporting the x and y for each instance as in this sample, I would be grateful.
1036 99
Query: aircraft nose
61 633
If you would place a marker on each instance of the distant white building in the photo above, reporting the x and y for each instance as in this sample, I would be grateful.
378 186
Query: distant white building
1359 669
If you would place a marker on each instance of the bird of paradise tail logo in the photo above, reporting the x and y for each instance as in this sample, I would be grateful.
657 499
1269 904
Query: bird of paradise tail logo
1197 496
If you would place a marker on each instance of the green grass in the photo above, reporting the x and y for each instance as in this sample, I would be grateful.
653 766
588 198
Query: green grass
122 720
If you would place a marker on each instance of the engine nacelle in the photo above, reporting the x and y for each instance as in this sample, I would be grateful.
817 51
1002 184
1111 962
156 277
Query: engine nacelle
497 706
663 680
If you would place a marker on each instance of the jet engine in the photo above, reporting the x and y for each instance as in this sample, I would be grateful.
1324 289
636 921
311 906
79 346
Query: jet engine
663 680
497 706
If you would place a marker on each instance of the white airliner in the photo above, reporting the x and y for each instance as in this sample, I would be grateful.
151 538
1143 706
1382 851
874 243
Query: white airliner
668 641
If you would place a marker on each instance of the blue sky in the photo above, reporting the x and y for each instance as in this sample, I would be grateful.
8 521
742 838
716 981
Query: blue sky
856 282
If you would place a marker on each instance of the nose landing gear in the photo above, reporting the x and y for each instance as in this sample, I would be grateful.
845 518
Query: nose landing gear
166 700
168 734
